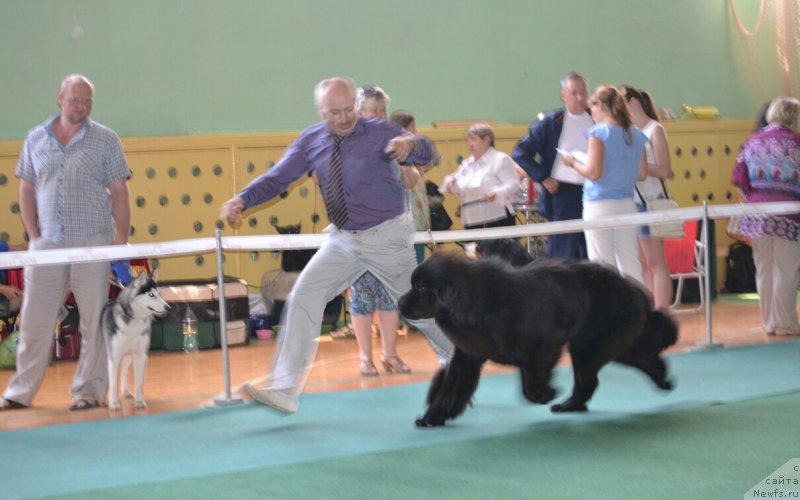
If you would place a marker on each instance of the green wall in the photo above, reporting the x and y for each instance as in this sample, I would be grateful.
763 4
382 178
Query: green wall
174 67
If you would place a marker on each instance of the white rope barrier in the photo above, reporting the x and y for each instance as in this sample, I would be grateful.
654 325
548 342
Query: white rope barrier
295 242
637 219
196 246
105 253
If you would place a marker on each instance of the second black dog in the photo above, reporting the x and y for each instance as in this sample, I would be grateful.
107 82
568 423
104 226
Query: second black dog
507 249
524 316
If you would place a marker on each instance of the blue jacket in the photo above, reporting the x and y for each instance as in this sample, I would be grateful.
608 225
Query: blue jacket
536 152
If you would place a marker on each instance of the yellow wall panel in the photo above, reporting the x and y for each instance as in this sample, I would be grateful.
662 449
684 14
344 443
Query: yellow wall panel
179 183
176 195
300 204
11 229
703 155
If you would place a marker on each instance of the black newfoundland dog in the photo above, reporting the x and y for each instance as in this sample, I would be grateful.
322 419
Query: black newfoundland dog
507 249
524 316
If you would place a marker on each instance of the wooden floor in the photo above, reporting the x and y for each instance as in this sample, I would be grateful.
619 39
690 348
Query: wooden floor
176 380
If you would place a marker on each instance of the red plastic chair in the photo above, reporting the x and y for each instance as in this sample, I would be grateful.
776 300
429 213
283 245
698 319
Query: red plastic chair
686 260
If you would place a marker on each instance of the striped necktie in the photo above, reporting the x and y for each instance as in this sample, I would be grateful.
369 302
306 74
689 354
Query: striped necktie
335 202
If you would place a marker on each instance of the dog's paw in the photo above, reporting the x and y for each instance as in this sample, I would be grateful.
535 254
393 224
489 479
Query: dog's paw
569 406
541 396
113 406
667 384
427 421
140 405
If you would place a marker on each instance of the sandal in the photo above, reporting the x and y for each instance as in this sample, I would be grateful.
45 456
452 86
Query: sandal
393 364
344 332
367 368
83 404
7 404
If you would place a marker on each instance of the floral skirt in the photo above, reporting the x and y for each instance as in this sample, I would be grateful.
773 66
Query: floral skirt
367 295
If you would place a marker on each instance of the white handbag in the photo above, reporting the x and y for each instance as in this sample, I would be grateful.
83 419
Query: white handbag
664 230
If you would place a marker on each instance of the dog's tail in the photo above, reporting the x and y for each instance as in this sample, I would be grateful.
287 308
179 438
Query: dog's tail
661 329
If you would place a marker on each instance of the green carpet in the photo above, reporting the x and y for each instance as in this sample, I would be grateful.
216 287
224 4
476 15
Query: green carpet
719 431
716 452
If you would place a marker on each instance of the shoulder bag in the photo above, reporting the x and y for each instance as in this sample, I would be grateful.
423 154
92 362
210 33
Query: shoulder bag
668 230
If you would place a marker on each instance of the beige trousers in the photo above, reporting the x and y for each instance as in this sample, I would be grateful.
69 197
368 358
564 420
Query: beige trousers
387 252
46 288
777 275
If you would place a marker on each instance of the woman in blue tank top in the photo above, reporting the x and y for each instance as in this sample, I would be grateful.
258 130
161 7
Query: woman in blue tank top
615 162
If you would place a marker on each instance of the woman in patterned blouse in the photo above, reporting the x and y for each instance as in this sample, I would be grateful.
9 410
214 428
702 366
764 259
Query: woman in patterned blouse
768 169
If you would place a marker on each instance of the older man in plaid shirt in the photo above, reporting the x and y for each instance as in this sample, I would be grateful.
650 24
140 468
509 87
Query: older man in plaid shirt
73 193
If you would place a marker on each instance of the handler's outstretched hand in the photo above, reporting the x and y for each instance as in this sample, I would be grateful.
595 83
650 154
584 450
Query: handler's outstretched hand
401 147
232 211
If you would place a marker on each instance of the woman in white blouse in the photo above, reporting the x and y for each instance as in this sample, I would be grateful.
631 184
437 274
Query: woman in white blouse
487 182
654 262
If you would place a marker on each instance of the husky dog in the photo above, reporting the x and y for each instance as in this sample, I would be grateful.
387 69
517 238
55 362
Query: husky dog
125 323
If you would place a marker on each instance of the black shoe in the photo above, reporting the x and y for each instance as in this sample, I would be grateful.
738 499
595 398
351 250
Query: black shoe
7 404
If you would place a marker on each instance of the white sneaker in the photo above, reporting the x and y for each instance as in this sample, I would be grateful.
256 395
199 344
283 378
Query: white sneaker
274 398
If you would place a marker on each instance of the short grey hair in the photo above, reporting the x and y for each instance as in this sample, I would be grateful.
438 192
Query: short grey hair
784 111
321 87
481 131
571 77
75 77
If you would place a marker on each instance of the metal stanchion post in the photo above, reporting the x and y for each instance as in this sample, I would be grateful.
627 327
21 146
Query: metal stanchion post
706 284
526 209
223 323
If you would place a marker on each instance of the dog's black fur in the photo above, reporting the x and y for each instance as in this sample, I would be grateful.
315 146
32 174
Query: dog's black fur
524 316
507 249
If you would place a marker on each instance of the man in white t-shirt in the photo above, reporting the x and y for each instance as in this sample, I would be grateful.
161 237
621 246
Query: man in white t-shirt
537 153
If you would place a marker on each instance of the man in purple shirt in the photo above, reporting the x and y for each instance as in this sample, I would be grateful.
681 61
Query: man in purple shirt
376 234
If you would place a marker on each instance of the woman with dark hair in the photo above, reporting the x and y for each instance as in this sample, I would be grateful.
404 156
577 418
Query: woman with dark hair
654 263
615 162
768 169
418 202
